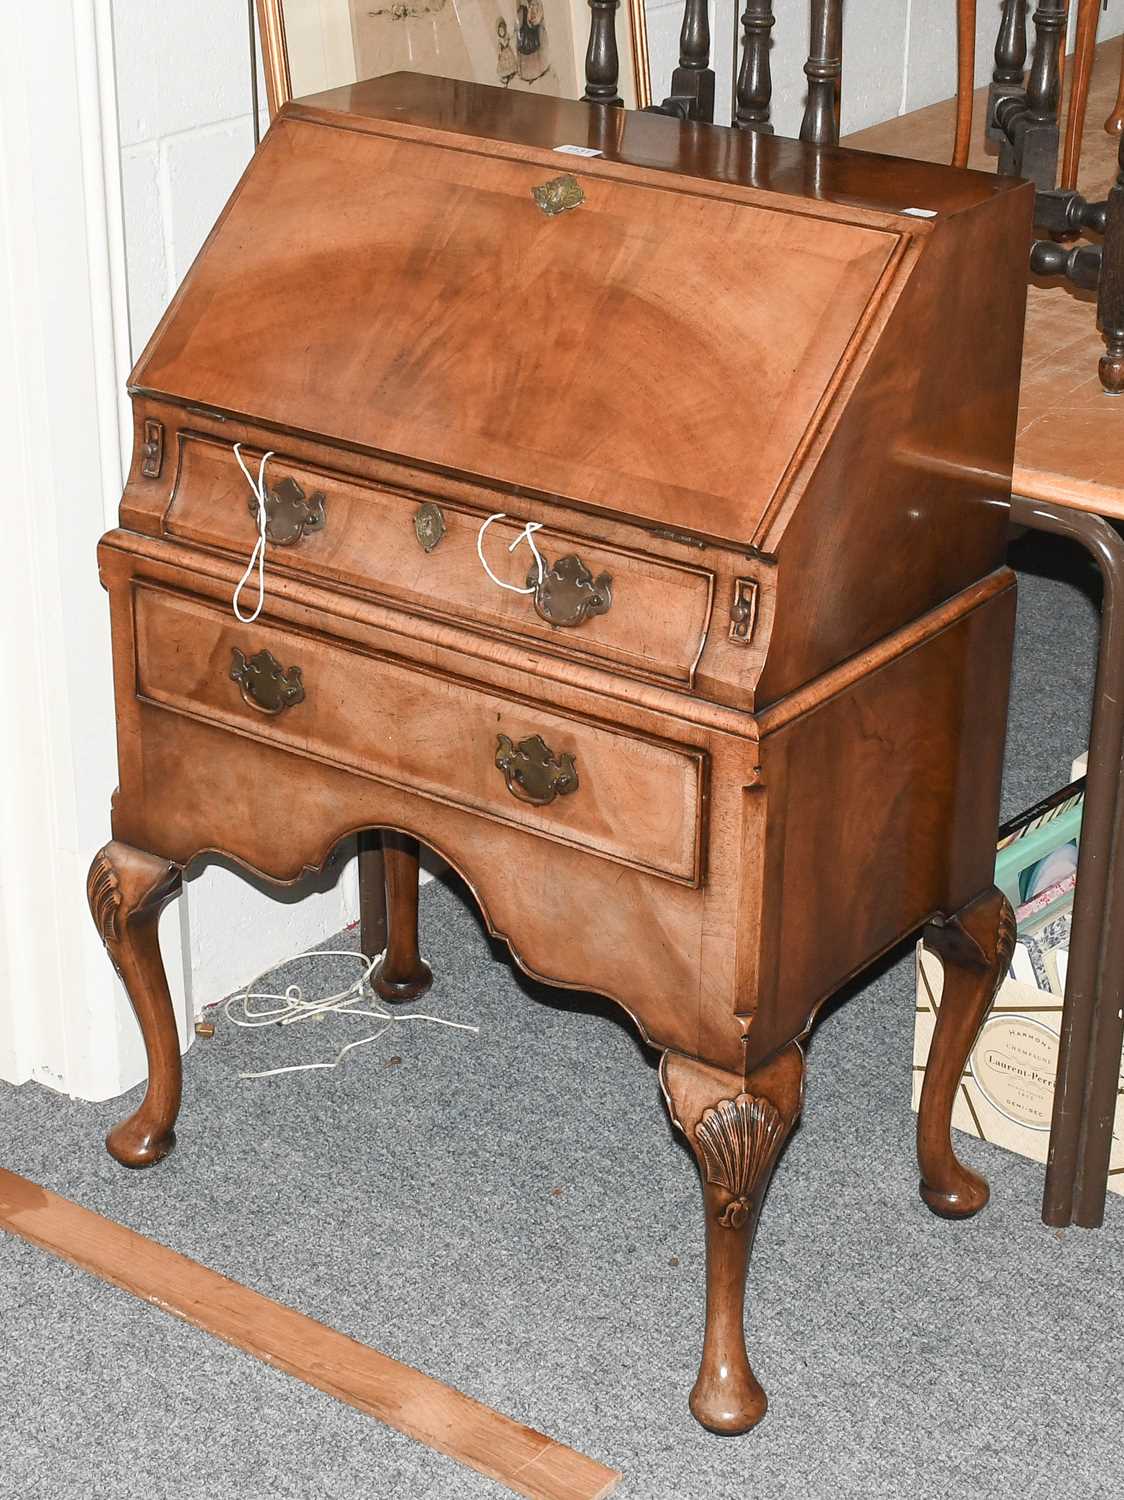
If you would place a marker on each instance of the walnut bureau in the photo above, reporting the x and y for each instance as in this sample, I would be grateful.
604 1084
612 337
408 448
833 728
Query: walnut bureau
740 730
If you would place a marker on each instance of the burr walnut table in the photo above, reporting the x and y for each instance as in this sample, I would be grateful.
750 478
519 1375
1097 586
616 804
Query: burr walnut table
736 724
1069 480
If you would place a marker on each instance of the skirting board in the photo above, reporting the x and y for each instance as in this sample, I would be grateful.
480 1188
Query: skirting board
402 1397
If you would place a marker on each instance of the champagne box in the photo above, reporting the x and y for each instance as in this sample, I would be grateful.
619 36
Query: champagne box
1006 1095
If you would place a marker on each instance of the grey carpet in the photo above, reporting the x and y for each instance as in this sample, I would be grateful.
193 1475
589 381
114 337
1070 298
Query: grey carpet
512 1213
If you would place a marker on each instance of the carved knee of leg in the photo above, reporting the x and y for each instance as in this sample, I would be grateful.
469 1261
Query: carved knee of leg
736 1131
975 948
127 889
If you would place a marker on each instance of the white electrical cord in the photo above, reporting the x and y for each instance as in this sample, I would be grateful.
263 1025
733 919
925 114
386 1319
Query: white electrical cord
526 535
257 556
294 1007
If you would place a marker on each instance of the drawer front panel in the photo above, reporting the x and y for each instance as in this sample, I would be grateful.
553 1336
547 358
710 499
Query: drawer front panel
636 800
637 613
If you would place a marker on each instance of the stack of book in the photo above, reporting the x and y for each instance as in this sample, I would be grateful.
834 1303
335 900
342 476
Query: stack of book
1036 869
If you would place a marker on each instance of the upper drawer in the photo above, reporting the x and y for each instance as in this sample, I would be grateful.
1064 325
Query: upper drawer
622 795
643 615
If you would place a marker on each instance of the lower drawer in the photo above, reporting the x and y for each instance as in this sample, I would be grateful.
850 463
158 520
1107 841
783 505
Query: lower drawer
636 800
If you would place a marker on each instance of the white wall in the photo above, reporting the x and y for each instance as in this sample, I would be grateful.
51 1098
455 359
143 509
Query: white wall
898 55
184 110
63 359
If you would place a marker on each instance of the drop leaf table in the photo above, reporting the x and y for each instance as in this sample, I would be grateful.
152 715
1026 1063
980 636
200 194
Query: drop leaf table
634 528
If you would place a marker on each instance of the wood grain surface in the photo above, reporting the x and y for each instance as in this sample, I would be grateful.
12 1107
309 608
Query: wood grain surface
445 317
1070 443
775 750
423 1408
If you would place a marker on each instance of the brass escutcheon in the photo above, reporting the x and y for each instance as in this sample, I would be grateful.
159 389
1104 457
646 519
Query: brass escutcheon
568 594
559 194
533 772
289 516
743 611
265 684
429 525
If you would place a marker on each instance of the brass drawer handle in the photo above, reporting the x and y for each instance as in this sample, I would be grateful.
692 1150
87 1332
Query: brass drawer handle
289 514
568 594
533 772
265 684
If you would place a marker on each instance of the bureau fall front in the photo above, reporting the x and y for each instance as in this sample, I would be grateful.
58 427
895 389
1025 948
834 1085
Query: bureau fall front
634 537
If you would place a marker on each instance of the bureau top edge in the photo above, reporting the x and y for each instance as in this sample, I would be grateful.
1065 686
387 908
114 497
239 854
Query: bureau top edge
861 183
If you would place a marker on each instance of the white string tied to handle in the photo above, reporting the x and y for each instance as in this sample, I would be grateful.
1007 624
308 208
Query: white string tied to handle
526 535
257 556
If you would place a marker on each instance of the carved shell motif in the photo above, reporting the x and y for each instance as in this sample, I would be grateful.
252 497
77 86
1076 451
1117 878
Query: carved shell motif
738 1139
104 895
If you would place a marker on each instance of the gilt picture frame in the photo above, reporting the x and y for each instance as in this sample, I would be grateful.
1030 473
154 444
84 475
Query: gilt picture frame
535 46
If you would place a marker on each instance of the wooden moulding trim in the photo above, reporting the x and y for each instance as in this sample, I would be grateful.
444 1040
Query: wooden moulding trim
1075 494
169 562
418 1405
666 180
831 406
407 473
814 694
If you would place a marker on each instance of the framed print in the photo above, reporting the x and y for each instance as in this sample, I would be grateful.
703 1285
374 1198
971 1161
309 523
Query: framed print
534 45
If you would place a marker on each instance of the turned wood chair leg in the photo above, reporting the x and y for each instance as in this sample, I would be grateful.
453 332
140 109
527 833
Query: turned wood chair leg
403 973
1115 122
1084 53
127 889
975 948
372 893
965 79
736 1131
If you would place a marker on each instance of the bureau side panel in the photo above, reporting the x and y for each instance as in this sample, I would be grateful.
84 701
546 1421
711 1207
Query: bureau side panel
883 808
907 502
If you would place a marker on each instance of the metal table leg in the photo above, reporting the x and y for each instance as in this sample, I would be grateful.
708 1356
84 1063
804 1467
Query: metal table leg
1092 1029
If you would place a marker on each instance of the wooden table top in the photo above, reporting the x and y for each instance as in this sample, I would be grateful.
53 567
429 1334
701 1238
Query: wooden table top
1070 446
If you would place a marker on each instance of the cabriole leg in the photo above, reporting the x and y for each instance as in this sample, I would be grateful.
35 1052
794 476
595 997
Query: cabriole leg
975 948
403 973
127 889
736 1131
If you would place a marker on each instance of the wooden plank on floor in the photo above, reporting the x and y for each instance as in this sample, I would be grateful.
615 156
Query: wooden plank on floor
416 1404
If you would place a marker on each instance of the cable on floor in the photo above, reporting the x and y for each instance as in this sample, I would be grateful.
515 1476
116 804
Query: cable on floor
291 1007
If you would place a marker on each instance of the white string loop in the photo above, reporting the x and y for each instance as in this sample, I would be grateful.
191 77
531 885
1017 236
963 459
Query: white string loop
257 556
526 535
294 1007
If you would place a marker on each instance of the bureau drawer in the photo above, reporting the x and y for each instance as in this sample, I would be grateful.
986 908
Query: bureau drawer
644 615
627 797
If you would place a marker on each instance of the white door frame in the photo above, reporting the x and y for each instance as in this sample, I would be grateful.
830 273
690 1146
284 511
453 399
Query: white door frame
65 433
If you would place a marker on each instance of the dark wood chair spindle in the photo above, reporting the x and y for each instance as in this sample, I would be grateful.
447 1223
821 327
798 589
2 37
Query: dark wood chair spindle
754 92
693 79
1110 293
823 71
1010 62
602 60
